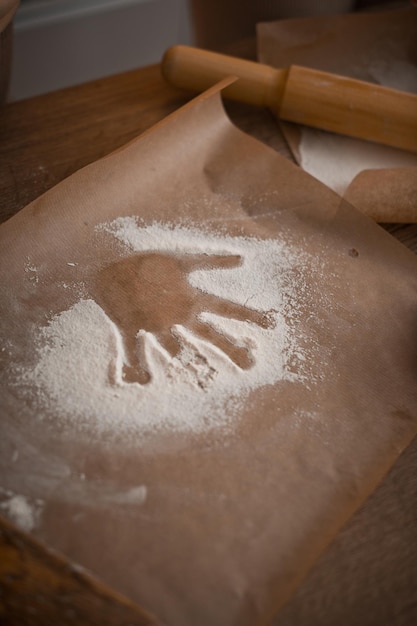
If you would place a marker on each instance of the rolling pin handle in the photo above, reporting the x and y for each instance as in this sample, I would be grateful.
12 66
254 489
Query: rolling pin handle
303 95
197 70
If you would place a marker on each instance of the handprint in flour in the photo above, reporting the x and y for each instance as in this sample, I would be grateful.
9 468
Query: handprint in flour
151 292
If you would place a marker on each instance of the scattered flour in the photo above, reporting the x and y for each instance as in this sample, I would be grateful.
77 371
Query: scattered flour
78 375
336 160
135 495
31 271
20 510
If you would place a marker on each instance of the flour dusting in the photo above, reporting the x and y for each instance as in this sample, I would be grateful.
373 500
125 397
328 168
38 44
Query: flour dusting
22 511
336 160
79 376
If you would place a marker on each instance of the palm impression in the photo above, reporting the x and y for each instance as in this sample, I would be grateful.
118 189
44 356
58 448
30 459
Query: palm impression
151 293
175 333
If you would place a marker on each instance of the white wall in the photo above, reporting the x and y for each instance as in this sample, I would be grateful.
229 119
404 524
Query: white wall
58 43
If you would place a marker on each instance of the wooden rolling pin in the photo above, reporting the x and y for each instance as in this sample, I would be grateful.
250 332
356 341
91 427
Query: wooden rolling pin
302 95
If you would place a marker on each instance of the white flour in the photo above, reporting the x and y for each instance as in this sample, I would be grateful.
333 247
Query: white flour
336 160
202 387
22 511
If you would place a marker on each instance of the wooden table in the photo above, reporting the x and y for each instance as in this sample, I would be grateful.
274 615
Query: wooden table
369 574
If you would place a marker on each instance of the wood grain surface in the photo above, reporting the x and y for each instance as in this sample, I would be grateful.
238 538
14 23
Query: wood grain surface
40 588
369 574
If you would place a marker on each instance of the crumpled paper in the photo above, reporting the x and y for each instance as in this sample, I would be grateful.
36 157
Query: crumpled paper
377 47
217 523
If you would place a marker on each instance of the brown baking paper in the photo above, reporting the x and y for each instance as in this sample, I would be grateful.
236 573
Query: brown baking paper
209 505
377 47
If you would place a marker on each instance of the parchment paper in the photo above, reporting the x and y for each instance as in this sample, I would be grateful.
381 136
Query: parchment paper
217 527
377 47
